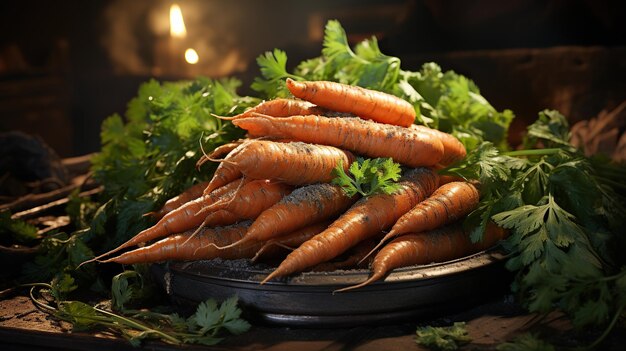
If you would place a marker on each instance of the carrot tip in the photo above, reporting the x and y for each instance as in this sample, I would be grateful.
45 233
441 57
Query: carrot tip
95 259
360 285
224 117
270 276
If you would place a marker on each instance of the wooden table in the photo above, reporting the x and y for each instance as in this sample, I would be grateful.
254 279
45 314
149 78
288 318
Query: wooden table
24 327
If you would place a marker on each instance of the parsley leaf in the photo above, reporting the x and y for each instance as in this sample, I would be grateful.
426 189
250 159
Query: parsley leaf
273 66
368 176
16 230
443 338
552 128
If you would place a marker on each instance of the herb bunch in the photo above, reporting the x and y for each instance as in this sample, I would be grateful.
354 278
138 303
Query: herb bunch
564 213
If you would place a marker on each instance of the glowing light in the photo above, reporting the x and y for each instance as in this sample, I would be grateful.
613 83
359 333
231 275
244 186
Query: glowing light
191 56
177 24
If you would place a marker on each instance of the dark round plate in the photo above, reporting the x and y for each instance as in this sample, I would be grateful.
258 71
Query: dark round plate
308 299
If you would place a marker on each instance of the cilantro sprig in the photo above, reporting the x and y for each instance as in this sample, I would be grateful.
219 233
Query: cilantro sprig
368 176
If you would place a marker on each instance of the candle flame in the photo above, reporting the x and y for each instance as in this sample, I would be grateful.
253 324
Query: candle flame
177 24
191 56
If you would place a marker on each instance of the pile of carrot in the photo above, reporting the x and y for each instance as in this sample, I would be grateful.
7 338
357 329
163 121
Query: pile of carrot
272 193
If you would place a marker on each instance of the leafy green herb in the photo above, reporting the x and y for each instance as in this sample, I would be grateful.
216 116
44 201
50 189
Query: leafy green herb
16 230
552 128
368 176
365 66
526 342
58 254
560 210
443 338
446 100
205 326
452 103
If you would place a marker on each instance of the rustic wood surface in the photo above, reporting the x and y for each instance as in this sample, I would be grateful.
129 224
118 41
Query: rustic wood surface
24 327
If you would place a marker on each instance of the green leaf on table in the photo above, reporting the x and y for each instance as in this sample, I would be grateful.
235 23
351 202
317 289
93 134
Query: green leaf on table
231 314
81 315
207 316
62 284
526 342
443 338
16 230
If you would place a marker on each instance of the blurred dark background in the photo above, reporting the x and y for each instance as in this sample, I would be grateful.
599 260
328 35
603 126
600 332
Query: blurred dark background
66 65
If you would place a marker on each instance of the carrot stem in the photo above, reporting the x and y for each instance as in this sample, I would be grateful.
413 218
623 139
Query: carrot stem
532 152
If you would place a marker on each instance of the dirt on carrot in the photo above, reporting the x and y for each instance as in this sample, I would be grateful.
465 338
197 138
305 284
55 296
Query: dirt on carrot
366 218
447 204
368 138
294 163
304 206
440 245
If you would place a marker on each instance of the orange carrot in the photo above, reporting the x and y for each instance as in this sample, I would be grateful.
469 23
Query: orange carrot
191 193
184 247
225 173
365 103
294 163
368 138
365 219
447 204
446 178
436 246
246 202
178 220
304 206
218 152
453 149
282 108
290 241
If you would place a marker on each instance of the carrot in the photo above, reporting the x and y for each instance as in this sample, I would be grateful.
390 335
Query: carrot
304 206
244 202
406 146
440 245
365 219
218 152
453 149
272 247
181 219
282 108
447 178
294 163
225 173
191 193
450 202
365 103
182 247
